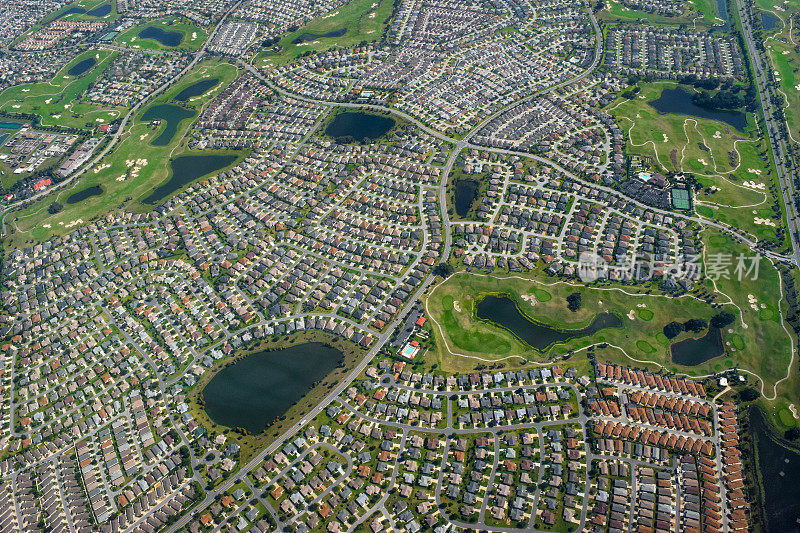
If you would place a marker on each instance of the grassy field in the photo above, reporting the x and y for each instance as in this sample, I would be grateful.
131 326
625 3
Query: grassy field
192 36
784 52
700 13
59 101
129 173
364 20
464 341
735 168
251 444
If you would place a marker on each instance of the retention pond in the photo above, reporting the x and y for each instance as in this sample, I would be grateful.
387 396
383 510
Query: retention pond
254 391
503 311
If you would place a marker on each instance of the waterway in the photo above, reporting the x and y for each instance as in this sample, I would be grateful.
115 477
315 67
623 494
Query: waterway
314 36
94 190
465 194
166 38
82 66
503 311
691 352
256 390
679 102
197 89
358 125
172 115
185 169
779 469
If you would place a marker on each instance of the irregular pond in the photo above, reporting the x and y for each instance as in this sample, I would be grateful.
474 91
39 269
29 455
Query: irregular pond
465 194
358 125
691 352
254 391
82 66
722 12
94 190
186 169
779 470
769 21
503 311
196 89
100 11
166 38
679 102
313 36
172 115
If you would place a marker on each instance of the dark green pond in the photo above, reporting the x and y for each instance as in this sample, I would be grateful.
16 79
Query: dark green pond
314 36
99 11
166 38
82 66
172 115
769 21
358 125
94 190
261 387
503 311
196 89
779 471
465 194
679 102
186 169
691 352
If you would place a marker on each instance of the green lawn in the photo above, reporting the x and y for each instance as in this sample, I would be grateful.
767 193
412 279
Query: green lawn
192 35
463 341
130 172
735 168
60 101
364 20
705 9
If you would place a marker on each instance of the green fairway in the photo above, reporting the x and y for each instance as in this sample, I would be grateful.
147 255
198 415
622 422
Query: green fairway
735 169
192 36
130 172
462 341
701 13
60 101
364 20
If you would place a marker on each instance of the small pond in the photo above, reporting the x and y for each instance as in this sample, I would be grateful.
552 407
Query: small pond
100 11
503 311
196 89
262 386
779 469
82 66
10 125
314 36
722 12
186 169
166 38
94 190
769 21
465 194
172 115
679 102
358 125
691 352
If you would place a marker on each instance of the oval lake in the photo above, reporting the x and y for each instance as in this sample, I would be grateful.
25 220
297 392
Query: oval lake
262 386
166 38
94 190
196 89
82 66
358 125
